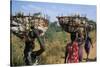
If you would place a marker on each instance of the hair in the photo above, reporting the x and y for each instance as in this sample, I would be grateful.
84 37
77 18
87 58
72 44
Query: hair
32 27
73 36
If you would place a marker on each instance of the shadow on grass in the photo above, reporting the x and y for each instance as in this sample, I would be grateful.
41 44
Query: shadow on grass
90 59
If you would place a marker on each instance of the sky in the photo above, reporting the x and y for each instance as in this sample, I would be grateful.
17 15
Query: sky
53 9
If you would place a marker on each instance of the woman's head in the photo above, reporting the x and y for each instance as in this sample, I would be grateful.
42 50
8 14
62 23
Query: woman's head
73 36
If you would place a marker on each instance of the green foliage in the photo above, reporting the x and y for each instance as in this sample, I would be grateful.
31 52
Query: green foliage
20 14
93 23
51 33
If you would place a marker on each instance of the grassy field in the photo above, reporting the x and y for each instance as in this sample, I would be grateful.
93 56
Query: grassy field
54 53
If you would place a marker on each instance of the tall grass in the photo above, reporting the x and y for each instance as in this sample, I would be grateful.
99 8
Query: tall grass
54 53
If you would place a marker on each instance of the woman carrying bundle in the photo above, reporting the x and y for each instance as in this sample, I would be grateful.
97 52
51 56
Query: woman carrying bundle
88 43
80 41
71 54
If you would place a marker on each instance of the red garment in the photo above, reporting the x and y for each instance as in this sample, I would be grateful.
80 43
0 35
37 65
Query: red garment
72 53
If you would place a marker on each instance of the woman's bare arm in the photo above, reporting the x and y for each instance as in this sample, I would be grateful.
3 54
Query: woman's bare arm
66 53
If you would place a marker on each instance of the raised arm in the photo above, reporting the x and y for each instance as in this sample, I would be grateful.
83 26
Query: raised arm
41 42
90 41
